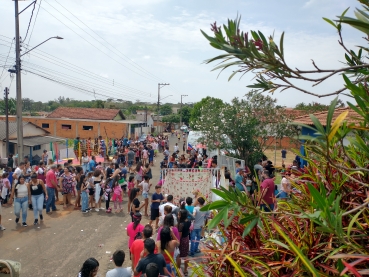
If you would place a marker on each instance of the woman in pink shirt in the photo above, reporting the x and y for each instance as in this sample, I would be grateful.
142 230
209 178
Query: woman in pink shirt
134 228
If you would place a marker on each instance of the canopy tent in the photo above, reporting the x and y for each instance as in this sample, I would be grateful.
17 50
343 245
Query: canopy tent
38 140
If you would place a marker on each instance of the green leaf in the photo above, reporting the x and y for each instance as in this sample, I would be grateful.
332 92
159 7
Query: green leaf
220 193
215 205
218 218
331 108
330 22
317 124
280 243
317 197
352 222
250 226
236 266
281 44
247 218
294 248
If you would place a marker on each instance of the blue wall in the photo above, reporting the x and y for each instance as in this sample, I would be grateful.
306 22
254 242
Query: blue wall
307 132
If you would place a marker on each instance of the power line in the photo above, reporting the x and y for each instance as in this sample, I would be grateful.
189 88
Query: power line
147 77
70 85
30 20
77 81
131 93
79 69
124 56
34 22
10 48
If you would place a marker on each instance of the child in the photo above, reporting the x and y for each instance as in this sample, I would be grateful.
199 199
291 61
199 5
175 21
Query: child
131 185
189 206
145 187
84 194
91 190
117 196
108 191
156 198
276 191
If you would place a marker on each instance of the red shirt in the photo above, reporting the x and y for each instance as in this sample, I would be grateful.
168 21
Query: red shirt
136 248
268 186
50 175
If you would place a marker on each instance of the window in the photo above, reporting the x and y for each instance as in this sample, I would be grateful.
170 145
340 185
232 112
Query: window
87 128
45 125
66 127
36 147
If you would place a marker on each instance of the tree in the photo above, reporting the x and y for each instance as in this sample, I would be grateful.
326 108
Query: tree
196 112
12 109
165 109
171 118
244 126
317 107
186 114
322 229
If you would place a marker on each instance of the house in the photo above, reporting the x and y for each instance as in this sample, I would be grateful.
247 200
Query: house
35 139
84 128
87 113
322 117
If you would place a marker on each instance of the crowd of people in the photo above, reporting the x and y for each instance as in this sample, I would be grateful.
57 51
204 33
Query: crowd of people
177 227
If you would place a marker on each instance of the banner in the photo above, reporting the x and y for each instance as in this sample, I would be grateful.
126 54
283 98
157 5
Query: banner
182 183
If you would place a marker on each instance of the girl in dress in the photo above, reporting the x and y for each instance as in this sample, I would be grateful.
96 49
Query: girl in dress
145 156
117 195
184 230
66 183
130 186
139 172
97 179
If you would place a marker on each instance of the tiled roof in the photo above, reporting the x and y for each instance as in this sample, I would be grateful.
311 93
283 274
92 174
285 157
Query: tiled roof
294 113
12 128
322 117
85 113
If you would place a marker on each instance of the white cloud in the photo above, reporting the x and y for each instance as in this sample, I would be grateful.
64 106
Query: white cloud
309 3
163 38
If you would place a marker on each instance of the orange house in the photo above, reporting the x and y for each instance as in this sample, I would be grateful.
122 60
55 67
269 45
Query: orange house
84 123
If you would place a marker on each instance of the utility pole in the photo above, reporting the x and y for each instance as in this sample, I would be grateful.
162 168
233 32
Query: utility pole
17 71
6 97
19 86
159 87
180 122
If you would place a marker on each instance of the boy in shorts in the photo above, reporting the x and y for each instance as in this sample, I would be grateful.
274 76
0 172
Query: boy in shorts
156 199
145 187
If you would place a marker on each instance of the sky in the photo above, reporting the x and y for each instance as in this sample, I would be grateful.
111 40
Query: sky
122 49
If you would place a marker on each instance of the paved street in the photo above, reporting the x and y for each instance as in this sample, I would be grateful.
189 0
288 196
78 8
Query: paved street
65 239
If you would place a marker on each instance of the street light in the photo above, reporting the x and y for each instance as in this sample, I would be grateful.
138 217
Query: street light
165 97
17 72
182 95
57 37
157 117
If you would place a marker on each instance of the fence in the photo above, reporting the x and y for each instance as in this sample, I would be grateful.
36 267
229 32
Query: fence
230 163
183 182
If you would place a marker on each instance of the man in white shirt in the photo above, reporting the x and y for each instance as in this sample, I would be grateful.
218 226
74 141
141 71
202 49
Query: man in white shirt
170 203
285 189
175 148
19 170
